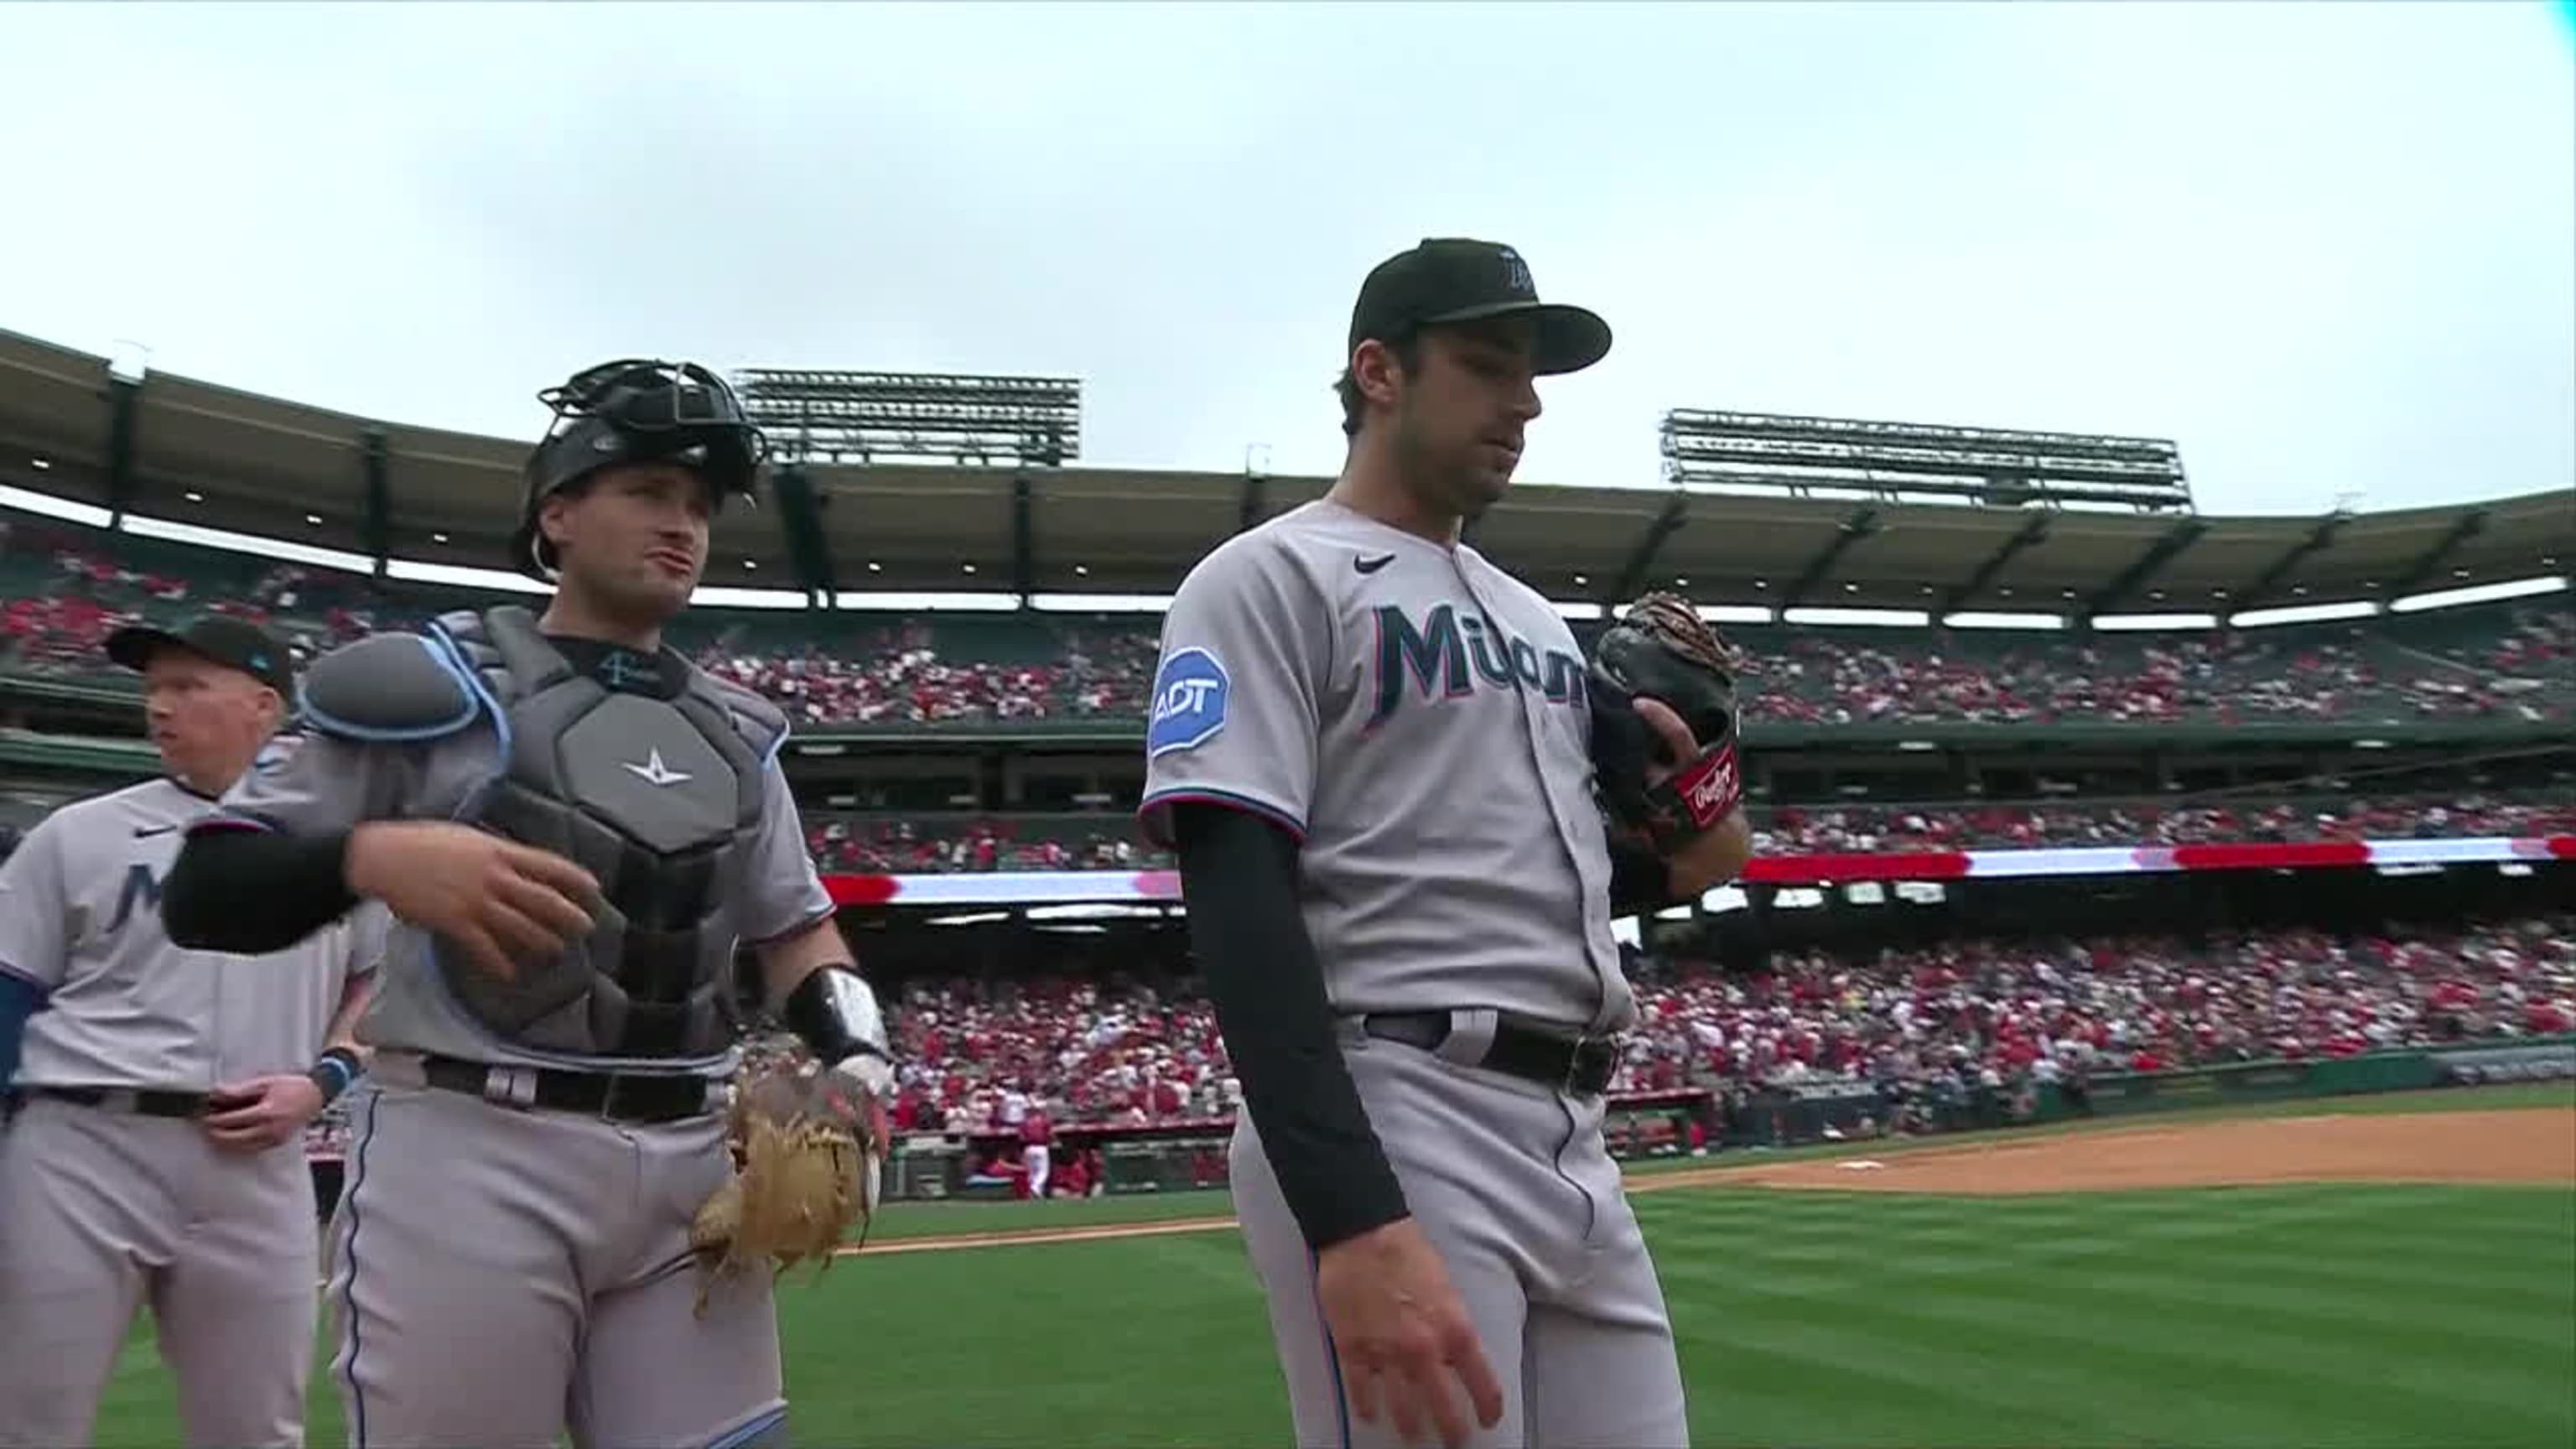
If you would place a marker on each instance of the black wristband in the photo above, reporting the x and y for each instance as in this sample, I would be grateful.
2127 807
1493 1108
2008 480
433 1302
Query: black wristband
836 1019
333 1071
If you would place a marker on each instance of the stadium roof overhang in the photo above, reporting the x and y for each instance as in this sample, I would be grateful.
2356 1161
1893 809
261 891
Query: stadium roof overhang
177 448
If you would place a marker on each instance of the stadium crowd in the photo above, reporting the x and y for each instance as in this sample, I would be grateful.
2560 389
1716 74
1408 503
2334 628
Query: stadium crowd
67 593
897 676
855 843
1802 829
979 1055
2133 1003
984 1058
2230 676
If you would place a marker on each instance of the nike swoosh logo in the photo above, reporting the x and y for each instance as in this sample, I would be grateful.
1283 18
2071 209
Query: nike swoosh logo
1372 565
146 832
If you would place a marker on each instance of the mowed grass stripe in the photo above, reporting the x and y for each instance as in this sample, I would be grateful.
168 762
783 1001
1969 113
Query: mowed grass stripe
2161 1326
2387 1259
1967 1224
1165 1341
2338 1242
1825 1215
1837 1320
1148 1341
2178 1371
903 1220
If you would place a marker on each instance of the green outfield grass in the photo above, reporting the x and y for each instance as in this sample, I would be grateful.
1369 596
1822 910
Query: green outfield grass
2272 1316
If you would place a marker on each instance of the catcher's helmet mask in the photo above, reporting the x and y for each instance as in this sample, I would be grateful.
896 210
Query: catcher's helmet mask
636 410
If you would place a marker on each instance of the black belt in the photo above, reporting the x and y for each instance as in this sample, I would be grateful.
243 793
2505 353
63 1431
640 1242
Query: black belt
142 1102
619 1097
1581 1066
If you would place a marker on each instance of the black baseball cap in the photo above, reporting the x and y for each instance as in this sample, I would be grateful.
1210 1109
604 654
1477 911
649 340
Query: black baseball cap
1458 279
235 643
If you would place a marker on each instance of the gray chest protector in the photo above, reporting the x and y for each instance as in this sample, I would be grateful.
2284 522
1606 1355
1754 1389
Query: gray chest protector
660 800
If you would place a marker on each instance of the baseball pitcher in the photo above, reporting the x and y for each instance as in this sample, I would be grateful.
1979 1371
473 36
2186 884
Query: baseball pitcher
153 1151
1407 808
576 829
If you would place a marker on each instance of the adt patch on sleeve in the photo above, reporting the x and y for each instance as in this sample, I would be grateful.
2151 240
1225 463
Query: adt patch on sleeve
1189 702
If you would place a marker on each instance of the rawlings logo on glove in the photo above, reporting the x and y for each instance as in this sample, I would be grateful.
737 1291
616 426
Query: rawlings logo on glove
1709 788
806 1151
1661 649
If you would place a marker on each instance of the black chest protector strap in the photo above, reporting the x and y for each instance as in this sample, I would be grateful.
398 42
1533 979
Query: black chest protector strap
660 800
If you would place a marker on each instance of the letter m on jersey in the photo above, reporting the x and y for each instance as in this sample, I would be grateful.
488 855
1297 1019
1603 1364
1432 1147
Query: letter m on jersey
1449 656
141 888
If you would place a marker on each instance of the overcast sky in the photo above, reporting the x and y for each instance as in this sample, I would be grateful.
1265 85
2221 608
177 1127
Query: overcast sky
2330 249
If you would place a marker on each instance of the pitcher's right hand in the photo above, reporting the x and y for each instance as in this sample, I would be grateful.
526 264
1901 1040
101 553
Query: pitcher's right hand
1402 1333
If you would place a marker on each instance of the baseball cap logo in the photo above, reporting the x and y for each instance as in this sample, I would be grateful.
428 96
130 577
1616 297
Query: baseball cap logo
1516 275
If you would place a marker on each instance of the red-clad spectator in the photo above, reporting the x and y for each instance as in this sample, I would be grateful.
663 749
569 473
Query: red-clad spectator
1037 1148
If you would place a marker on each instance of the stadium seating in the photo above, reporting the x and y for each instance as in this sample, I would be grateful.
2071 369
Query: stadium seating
2511 662
1130 1053
919 844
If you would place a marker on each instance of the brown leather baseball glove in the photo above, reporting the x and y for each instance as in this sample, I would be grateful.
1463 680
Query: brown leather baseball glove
805 1171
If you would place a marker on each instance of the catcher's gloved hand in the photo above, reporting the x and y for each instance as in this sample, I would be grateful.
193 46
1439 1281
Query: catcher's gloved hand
807 1143
1662 650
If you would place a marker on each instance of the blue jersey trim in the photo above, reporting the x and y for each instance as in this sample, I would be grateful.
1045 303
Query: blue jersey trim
1153 815
357 1178
1332 1355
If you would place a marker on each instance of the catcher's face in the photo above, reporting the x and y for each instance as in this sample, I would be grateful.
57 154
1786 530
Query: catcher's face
634 542
1461 417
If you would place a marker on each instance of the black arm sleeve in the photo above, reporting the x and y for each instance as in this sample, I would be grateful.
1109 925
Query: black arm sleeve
1640 880
1239 882
251 892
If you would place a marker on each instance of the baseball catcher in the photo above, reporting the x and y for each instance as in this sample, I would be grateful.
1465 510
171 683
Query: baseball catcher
807 1159
1661 649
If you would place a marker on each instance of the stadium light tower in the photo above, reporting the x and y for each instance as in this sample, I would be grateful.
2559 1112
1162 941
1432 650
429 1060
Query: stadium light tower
1888 462
863 417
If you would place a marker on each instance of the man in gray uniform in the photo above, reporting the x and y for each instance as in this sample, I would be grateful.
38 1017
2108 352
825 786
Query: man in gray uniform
1373 751
575 828
154 1145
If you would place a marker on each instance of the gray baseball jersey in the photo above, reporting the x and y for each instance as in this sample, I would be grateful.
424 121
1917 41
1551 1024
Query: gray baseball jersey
106 1209
331 784
1418 718
502 1275
80 916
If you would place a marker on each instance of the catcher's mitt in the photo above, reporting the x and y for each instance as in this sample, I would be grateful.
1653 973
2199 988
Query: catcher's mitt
1661 649
805 1169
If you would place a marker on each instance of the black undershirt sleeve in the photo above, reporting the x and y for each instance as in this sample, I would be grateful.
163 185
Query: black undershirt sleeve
1640 880
250 892
1239 882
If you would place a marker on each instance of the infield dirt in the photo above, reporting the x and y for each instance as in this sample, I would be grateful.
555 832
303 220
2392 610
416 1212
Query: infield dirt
2528 1145
2518 1146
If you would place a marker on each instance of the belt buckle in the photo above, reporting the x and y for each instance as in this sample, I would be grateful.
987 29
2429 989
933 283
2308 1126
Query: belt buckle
629 1097
617 1087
